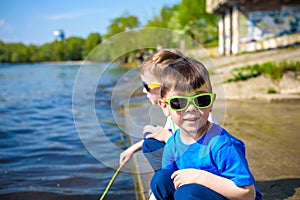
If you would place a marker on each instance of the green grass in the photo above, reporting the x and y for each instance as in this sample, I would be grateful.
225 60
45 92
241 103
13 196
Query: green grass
273 69
272 90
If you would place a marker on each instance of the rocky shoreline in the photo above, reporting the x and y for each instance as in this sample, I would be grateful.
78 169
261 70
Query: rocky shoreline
288 88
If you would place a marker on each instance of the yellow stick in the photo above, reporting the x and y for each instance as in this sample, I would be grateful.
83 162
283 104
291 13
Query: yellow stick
111 181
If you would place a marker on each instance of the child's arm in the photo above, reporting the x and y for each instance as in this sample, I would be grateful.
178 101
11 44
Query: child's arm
128 153
219 184
157 132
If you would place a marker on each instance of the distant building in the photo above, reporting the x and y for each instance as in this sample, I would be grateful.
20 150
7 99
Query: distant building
251 25
59 34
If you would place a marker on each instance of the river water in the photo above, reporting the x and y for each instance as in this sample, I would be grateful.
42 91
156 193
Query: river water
42 155
52 149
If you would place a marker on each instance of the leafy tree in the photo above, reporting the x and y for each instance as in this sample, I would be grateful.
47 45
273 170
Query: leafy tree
189 17
45 52
2 52
59 52
121 24
162 20
23 51
195 22
118 25
91 42
73 47
14 52
33 56
190 10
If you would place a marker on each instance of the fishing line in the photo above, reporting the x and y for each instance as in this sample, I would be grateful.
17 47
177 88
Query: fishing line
111 181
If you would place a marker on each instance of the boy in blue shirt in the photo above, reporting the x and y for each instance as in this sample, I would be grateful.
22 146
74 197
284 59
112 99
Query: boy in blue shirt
155 137
201 160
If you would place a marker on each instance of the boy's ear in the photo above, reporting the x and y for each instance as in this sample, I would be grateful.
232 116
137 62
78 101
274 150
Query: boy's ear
211 108
164 107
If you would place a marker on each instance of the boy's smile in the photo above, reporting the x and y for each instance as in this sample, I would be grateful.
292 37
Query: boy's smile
191 119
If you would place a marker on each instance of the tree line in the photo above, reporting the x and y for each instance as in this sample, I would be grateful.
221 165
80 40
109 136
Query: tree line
72 48
189 17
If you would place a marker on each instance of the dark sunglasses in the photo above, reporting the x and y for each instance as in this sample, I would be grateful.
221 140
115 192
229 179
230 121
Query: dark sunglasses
200 101
150 86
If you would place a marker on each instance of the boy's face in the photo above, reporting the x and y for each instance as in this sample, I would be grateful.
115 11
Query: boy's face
153 94
191 119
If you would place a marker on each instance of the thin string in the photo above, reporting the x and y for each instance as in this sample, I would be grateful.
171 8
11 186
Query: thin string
111 181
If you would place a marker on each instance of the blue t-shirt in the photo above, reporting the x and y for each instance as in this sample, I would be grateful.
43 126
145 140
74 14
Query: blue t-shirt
217 152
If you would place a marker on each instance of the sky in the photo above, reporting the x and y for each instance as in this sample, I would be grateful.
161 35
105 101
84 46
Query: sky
33 21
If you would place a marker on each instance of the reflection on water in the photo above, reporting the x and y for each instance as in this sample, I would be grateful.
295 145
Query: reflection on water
41 154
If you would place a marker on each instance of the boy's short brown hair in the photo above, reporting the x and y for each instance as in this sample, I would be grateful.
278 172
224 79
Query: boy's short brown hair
185 75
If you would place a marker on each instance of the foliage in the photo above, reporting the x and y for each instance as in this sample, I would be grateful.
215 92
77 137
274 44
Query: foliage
163 20
188 18
121 24
16 52
272 90
91 42
273 69
72 48
195 22
130 45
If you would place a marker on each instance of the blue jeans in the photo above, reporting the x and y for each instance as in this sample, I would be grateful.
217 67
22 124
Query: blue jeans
163 189
153 150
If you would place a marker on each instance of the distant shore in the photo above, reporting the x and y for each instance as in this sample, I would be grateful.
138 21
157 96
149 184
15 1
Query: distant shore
70 62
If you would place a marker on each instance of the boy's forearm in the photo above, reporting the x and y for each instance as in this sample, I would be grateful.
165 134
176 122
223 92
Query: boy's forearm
226 187
135 147
128 153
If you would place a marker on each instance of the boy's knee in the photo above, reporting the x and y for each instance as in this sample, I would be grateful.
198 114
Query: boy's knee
161 178
196 191
191 192
162 185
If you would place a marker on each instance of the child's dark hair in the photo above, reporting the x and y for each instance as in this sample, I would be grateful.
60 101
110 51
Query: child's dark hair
184 75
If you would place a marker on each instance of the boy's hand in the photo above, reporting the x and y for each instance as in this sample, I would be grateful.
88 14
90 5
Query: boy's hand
125 156
156 132
185 176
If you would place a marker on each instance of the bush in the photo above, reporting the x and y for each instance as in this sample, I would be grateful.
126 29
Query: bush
272 91
272 69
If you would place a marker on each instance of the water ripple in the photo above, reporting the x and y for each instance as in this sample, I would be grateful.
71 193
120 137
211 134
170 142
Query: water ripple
42 156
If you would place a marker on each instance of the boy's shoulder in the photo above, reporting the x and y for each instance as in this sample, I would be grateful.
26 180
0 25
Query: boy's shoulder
215 137
220 136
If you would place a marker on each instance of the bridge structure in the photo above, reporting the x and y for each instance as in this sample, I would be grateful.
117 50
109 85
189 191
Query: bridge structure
252 25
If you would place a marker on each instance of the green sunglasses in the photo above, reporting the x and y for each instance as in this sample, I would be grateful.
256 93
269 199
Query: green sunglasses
200 101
